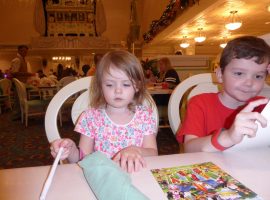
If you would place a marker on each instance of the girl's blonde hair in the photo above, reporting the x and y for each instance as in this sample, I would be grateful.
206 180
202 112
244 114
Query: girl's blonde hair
127 63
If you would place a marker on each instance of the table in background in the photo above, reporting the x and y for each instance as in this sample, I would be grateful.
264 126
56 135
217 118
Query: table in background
47 92
158 90
251 168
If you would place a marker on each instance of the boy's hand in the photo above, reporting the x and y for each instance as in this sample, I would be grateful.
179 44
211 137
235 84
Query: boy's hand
245 122
130 159
66 143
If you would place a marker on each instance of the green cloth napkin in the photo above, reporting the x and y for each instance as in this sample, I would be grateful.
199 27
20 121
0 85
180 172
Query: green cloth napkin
107 180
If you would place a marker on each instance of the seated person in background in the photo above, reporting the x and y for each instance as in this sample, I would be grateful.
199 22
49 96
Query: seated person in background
44 80
34 80
217 121
52 76
85 69
168 76
69 76
92 70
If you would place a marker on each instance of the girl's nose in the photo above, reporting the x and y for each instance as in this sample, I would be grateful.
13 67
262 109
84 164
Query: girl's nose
118 90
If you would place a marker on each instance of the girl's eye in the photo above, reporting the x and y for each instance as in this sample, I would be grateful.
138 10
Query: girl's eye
109 85
127 85
260 77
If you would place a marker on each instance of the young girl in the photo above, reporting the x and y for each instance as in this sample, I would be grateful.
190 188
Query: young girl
116 123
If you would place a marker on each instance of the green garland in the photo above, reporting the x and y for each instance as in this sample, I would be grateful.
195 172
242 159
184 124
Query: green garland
174 9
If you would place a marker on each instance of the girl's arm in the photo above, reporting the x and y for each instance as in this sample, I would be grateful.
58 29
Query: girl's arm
130 159
71 151
86 146
149 146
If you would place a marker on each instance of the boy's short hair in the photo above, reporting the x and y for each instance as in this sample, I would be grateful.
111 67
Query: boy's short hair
246 47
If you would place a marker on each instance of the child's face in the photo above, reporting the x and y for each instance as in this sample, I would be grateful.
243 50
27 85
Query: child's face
117 89
242 79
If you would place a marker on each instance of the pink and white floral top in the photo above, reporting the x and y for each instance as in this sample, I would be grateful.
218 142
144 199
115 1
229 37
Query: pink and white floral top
110 137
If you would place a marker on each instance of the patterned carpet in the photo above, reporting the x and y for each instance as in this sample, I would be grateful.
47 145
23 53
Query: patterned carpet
27 147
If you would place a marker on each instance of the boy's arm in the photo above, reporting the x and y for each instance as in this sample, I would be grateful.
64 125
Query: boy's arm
244 124
194 143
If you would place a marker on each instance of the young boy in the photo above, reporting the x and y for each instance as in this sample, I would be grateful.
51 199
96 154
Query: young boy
217 121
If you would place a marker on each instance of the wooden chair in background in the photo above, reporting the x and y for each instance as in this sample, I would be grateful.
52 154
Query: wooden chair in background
5 93
29 107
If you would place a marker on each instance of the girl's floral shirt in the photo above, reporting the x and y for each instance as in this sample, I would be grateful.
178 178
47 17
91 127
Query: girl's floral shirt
110 137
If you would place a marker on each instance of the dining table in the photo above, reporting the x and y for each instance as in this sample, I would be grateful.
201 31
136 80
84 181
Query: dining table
250 167
159 90
47 91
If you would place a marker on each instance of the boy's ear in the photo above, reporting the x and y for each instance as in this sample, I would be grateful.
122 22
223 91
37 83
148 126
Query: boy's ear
268 68
219 75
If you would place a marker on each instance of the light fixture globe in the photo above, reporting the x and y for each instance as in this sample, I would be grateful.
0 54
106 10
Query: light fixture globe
200 37
184 44
234 21
223 45
233 26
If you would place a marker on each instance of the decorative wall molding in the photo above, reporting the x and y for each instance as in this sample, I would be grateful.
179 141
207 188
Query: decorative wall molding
70 42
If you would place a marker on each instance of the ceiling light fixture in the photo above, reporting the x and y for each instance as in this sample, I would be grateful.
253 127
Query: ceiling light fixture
223 42
184 44
200 37
223 45
234 21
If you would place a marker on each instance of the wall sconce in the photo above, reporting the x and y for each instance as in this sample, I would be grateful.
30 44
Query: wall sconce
200 37
234 21
184 44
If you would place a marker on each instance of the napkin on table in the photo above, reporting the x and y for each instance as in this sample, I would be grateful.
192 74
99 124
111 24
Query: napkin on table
107 180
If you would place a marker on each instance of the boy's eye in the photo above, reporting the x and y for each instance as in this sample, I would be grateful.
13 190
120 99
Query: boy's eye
238 73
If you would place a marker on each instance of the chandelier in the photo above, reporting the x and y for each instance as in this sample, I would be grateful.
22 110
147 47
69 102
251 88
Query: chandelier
200 37
234 21
184 44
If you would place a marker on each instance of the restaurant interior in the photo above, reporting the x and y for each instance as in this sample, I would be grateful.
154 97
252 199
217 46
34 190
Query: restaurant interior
190 33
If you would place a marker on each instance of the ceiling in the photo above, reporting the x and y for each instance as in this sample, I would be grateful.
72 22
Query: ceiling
211 15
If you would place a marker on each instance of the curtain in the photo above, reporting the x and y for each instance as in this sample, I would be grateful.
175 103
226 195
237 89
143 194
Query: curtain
39 18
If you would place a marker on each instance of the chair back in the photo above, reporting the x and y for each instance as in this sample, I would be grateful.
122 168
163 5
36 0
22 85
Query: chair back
265 91
194 85
21 90
80 104
5 86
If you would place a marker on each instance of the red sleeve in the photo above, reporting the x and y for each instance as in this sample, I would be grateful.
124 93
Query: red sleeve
194 121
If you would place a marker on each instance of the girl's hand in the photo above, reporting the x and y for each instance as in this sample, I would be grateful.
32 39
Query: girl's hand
245 122
130 159
66 143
